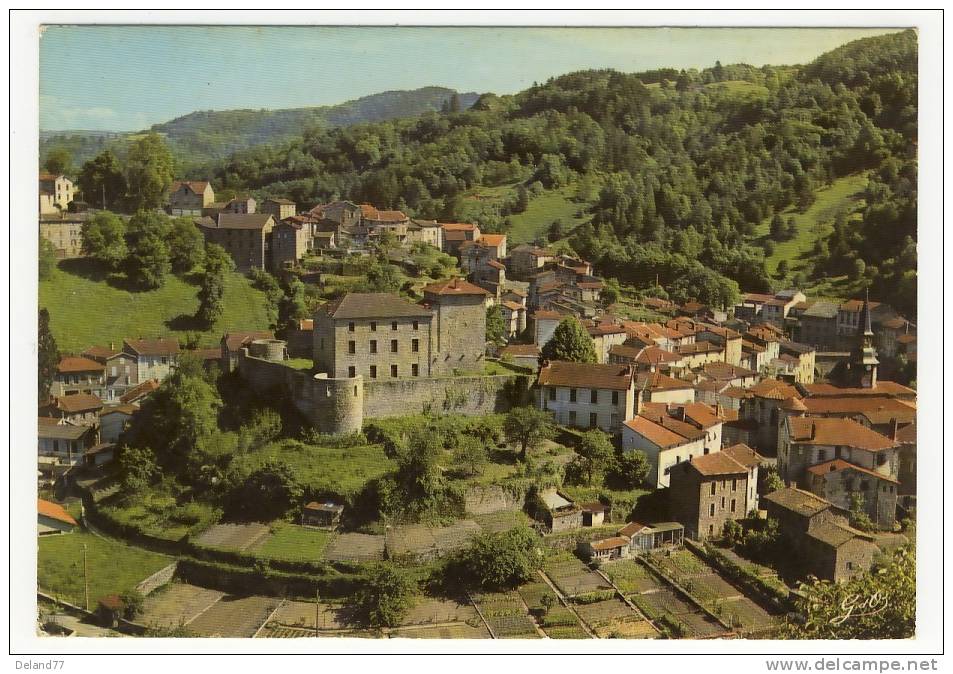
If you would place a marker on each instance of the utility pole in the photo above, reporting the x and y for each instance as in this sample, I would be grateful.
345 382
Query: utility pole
85 578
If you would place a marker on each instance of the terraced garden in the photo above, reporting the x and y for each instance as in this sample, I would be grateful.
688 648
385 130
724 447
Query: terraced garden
507 615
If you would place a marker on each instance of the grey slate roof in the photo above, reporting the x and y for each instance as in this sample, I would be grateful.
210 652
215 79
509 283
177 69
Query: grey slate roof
374 305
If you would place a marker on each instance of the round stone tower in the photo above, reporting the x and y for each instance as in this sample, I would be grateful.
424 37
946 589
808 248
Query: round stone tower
338 404
268 349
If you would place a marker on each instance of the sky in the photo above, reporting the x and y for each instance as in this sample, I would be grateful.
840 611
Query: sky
126 78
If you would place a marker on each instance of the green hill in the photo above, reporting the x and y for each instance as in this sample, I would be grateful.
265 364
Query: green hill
214 134
87 307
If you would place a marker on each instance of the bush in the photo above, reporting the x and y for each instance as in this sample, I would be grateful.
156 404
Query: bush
593 597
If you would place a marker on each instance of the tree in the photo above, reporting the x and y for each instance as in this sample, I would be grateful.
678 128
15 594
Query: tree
859 518
611 292
293 306
556 230
471 454
102 181
454 103
777 228
270 492
178 418
104 239
186 245
881 604
783 269
387 593
498 561
47 259
522 199
137 468
857 269
48 355
147 238
495 327
149 171
59 161
772 480
570 342
595 453
528 427
631 468
212 287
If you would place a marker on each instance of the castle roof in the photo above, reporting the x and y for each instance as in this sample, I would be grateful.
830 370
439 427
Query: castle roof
373 305
454 286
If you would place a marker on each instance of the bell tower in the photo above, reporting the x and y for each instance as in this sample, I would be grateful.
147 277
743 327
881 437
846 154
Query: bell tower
863 359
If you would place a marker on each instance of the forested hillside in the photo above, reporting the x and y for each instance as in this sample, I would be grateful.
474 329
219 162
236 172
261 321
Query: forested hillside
683 168
205 135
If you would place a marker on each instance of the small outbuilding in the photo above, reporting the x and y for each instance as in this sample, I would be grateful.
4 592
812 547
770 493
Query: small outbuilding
52 518
321 514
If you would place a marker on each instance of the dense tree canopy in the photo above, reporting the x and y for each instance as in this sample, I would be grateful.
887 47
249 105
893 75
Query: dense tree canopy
149 171
570 342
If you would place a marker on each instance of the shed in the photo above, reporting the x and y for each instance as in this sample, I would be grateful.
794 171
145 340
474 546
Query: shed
326 514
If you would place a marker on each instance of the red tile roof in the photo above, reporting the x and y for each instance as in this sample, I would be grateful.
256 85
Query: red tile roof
609 543
657 434
140 391
196 186
78 402
836 432
457 227
883 388
163 346
78 364
236 340
454 286
586 375
718 463
743 454
838 465
54 511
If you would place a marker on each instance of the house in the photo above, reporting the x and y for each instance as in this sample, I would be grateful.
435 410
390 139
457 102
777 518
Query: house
326 514
809 441
634 539
586 395
820 541
514 318
526 260
707 491
884 415
52 518
853 316
155 358
645 358
113 420
733 375
605 549
65 231
604 337
478 253
892 333
56 193
62 444
190 197
593 513
80 409
561 513
100 455
374 222
240 205
841 483
776 310
670 434
455 234
523 355
245 236
544 325
817 325
655 387
425 231
78 374
279 208
805 356
728 340
121 369
761 409
696 354
289 243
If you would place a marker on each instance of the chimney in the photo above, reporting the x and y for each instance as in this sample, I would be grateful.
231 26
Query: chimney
894 427
813 430
718 410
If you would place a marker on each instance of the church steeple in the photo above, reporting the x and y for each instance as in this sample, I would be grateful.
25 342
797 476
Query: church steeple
863 359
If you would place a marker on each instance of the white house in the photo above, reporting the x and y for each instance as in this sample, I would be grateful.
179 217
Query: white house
670 434
588 395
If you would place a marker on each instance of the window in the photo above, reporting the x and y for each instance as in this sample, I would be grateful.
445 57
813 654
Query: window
572 417
711 510
393 325
165 360
572 395
373 326
415 345
350 327
393 370
615 397
351 347
593 419
416 325
373 346
373 372
552 393
850 566
350 371
393 346
822 455
732 505
593 396
415 370
707 449
722 502
322 343
734 485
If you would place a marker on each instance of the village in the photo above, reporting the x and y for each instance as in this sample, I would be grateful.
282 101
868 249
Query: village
681 467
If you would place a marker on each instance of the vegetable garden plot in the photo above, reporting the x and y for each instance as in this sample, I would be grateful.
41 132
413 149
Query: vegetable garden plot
177 604
710 587
502 521
234 617
681 564
656 604
419 540
631 577
302 614
355 548
605 612
572 577
433 611
233 536
460 631
506 614
746 614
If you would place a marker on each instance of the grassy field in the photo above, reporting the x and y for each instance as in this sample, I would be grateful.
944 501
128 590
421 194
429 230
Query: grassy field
814 223
322 470
113 568
294 543
739 89
87 307
158 514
